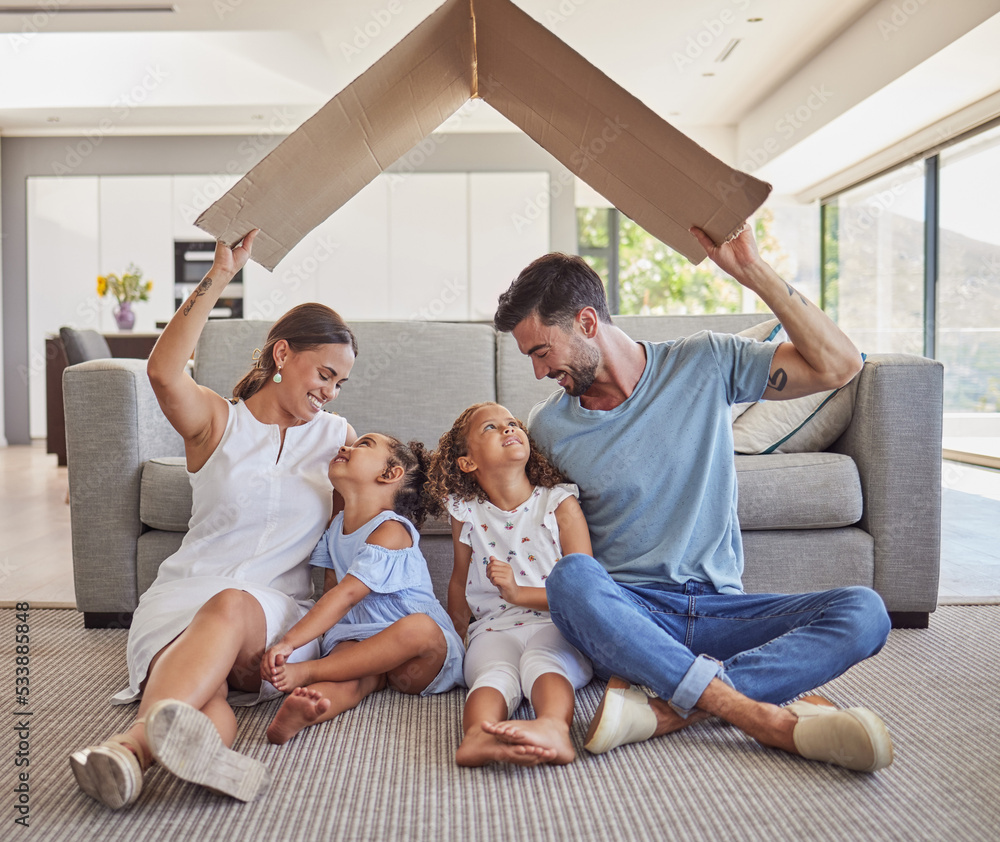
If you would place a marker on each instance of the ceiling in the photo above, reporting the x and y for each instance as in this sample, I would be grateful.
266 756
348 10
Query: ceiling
70 67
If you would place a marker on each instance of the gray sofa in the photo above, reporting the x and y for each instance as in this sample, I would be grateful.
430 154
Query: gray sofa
867 511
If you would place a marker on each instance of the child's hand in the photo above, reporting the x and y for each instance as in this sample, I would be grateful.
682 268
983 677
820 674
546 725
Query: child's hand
501 574
274 659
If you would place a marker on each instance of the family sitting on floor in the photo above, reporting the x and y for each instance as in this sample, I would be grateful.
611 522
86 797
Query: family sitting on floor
605 542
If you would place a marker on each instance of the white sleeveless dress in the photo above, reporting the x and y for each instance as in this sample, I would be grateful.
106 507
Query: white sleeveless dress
255 518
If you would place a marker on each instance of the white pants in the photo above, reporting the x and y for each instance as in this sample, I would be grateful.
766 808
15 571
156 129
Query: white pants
511 660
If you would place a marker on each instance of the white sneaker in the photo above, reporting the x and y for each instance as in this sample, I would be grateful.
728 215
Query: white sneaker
624 716
185 742
854 738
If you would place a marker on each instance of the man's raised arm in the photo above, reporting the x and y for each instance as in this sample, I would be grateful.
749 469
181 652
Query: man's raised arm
819 355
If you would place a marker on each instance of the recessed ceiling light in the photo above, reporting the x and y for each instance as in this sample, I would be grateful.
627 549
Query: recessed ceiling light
728 49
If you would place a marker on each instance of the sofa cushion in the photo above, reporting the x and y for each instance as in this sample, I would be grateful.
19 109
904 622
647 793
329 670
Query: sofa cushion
799 425
165 494
798 491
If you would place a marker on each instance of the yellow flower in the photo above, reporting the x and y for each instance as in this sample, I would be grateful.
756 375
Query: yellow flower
129 287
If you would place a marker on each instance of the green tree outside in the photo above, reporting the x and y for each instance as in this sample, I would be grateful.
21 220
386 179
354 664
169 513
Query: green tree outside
654 279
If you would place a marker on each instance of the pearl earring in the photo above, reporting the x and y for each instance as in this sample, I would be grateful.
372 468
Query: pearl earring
277 375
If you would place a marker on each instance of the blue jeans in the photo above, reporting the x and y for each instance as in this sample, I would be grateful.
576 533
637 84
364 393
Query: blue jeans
675 639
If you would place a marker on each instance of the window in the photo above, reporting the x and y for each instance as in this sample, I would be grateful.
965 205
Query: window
873 262
968 295
643 276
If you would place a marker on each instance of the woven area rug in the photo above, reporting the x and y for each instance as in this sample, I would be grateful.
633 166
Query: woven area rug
385 770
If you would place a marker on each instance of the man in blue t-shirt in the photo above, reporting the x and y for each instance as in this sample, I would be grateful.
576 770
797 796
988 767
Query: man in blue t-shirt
644 429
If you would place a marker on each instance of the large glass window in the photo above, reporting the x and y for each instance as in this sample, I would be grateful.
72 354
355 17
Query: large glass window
873 262
645 277
968 299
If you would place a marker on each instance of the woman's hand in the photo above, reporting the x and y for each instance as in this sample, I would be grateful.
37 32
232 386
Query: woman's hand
229 261
501 575
273 663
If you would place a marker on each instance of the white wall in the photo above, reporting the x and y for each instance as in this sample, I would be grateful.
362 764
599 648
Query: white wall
423 245
3 439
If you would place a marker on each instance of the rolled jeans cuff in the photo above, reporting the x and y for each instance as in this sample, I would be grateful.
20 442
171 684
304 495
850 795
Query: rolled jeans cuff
693 684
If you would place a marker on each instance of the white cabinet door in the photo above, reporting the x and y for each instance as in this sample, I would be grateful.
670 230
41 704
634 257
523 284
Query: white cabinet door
63 267
342 263
135 214
508 228
428 246
192 195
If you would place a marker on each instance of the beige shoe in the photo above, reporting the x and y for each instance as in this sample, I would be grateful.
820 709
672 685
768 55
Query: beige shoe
854 738
623 716
110 772
185 742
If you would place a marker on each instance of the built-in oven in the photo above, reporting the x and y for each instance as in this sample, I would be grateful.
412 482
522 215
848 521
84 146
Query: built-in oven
192 260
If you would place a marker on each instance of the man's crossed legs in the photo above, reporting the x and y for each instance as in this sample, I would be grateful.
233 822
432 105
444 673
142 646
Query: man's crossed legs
754 652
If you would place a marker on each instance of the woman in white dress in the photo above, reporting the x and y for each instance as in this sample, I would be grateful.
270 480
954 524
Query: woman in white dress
261 500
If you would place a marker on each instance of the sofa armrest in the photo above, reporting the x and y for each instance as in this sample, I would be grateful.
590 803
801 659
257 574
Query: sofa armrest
895 440
113 425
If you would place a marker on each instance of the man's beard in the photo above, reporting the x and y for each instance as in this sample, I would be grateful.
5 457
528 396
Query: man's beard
583 369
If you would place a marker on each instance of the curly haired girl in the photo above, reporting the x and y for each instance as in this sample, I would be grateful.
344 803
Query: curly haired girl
512 518
380 623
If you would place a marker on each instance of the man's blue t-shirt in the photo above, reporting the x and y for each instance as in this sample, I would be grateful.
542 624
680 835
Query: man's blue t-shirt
656 474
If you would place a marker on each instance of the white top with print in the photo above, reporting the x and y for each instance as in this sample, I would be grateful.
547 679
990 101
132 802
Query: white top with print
527 539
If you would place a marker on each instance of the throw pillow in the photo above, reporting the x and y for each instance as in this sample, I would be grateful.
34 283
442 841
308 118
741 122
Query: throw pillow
769 331
800 425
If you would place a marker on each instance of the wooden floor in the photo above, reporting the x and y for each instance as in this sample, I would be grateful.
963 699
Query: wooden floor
36 562
36 559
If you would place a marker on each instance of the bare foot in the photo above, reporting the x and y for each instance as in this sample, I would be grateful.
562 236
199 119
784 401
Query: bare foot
479 748
286 677
668 720
300 710
545 733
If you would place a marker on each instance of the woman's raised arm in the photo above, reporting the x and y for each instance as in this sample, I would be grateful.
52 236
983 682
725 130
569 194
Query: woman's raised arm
191 408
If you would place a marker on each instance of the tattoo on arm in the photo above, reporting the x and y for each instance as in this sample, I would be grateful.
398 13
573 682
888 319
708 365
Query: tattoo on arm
793 292
778 379
198 293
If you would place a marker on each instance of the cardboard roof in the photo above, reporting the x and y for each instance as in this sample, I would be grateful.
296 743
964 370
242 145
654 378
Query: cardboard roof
649 170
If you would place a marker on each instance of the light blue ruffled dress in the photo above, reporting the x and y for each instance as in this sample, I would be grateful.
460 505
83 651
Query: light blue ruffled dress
400 585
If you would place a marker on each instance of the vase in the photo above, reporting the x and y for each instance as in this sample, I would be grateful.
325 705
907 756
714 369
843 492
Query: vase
124 317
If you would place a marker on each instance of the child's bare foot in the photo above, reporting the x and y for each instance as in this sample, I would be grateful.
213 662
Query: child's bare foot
300 710
550 734
286 677
479 748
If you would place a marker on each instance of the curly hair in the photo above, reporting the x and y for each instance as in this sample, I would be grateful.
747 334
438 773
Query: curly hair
412 499
446 477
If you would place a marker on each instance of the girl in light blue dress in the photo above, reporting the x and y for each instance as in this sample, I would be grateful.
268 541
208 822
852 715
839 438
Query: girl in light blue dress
380 622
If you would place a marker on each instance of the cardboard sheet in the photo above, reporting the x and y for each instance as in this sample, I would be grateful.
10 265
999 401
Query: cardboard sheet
649 170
